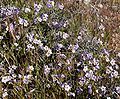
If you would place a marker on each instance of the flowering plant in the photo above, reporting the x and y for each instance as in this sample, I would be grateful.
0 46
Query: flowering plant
48 51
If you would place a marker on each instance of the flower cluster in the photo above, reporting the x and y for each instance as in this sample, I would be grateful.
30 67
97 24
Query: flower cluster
50 52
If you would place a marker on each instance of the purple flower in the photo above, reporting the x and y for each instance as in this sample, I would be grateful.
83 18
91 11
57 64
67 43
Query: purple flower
50 3
89 55
90 89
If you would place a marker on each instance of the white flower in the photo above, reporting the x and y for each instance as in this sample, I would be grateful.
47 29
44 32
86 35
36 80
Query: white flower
107 58
39 19
16 44
49 52
6 79
44 17
114 74
60 6
23 22
36 41
65 35
29 46
4 94
60 45
100 5
118 89
46 70
103 88
31 68
89 74
112 62
18 37
85 68
87 1
27 10
27 78
118 54
74 48
19 76
102 35
100 42
108 98
101 27
14 67
71 94
37 7
46 48
97 91
66 87
108 71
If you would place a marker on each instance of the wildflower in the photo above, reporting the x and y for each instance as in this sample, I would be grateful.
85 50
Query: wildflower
65 24
5 79
75 47
60 6
4 94
65 35
50 3
18 37
46 70
114 74
95 62
23 22
112 62
27 78
49 52
27 10
46 48
44 17
100 5
29 46
60 45
89 55
85 69
89 74
39 19
19 76
107 58
118 89
11 27
16 44
106 52
102 35
36 41
90 89
32 90
101 27
97 91
108 98
79 38
37 7
118 54
108 70
99 41
71 94
87 1
103 88
66 87
31 68
30 37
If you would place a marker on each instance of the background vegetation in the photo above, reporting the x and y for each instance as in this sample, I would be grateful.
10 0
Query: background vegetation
59 49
